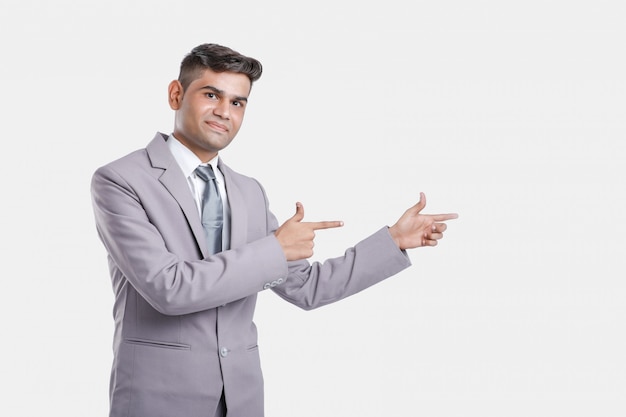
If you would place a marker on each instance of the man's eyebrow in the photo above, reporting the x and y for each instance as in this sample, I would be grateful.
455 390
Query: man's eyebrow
221 92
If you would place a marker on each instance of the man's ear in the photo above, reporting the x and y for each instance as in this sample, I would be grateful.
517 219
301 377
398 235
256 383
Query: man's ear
175 94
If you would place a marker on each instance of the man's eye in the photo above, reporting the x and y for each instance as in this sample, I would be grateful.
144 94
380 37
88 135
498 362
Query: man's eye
237 103
210 95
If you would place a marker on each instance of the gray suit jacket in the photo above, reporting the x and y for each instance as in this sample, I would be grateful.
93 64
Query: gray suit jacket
183 318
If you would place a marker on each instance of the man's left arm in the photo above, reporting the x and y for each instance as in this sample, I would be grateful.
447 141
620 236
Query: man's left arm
313 285
383 254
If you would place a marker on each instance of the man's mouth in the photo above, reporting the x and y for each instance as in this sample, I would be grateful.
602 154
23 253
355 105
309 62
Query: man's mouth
218 126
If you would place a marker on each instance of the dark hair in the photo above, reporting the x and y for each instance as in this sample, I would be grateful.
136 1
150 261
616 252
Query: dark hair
219 59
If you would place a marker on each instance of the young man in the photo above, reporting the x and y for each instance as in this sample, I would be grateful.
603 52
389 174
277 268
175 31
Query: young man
189 248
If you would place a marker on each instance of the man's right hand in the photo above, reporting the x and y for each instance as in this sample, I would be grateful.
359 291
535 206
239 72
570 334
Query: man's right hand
296 237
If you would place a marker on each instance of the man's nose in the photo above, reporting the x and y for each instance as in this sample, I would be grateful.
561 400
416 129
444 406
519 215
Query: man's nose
222 109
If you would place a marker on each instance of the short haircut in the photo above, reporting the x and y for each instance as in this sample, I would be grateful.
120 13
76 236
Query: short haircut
218 58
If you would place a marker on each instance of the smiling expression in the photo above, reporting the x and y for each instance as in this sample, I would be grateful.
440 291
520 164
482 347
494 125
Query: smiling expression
210 111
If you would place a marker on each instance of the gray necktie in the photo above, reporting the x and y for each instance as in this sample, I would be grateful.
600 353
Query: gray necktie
212 213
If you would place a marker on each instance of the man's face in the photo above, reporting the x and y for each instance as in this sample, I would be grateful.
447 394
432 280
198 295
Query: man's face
210 111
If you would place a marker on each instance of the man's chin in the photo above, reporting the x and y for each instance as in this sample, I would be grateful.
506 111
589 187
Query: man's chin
217 145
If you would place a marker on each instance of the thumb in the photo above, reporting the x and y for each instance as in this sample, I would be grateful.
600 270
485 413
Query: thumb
420 204
299 213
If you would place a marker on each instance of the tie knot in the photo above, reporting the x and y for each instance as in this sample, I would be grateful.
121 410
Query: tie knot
205 172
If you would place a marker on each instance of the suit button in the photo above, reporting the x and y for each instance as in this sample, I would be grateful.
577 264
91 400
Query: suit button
224 352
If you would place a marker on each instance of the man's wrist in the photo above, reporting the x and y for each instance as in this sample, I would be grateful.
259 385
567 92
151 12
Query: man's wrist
393 232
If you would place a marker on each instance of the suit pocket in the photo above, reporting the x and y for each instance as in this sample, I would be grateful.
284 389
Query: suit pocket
158 344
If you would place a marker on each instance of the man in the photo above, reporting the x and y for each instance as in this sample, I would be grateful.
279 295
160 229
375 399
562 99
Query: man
190 243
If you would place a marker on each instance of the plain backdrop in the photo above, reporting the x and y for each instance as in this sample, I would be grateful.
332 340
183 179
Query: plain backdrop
510 113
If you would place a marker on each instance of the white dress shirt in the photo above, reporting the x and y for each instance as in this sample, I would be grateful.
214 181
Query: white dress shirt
188 162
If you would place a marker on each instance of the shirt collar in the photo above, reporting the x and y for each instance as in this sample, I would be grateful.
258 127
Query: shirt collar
186 159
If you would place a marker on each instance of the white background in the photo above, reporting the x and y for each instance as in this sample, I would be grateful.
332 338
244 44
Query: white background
511 113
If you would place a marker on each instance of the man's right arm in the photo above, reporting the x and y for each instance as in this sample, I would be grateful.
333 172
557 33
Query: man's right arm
170 275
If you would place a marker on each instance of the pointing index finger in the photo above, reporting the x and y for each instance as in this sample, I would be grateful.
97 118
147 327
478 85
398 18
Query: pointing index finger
324 225
444 217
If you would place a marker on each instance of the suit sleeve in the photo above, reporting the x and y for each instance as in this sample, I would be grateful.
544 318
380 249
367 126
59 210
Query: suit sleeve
174 285
313 285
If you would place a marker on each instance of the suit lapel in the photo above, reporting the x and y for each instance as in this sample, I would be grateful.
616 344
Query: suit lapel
175 182
238 216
